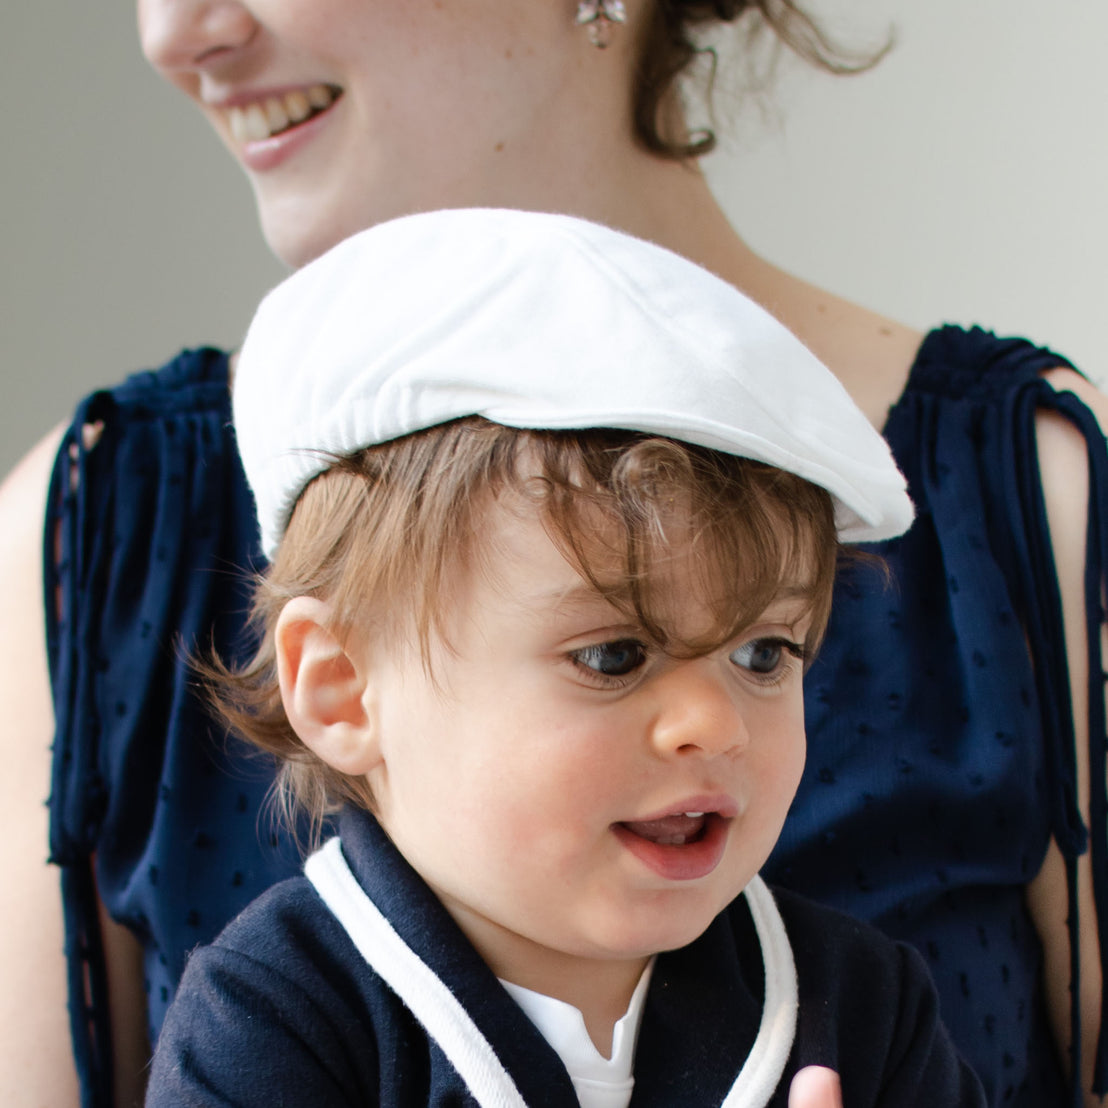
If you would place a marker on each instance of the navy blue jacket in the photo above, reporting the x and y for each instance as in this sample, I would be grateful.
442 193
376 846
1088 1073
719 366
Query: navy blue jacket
283 1010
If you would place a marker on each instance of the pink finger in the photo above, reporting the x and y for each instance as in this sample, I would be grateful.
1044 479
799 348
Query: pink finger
816 1087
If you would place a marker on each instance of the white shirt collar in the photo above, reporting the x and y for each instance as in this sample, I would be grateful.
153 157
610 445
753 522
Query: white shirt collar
600 1082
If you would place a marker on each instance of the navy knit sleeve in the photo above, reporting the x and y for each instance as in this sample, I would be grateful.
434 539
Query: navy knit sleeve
868 1010
923 1067
243 1033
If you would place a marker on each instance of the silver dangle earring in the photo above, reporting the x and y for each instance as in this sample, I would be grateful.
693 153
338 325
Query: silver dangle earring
598 16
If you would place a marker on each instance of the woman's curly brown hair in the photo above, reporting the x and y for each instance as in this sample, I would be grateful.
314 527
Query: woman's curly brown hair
669 46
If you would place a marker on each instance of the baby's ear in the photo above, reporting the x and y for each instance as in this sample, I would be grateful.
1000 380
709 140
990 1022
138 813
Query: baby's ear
323 688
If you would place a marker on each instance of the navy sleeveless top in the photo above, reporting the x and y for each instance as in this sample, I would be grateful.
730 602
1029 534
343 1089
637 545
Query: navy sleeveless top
941 759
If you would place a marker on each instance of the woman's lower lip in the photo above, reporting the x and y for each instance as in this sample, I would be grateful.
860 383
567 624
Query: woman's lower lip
269 153
687 862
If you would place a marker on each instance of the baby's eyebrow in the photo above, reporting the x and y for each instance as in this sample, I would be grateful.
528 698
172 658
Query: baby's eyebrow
582 594
571 596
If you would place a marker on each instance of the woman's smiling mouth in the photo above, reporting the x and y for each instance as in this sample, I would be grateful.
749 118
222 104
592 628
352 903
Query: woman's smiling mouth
273 115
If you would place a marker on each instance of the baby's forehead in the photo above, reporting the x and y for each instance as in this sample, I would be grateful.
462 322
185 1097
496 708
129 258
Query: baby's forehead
582 568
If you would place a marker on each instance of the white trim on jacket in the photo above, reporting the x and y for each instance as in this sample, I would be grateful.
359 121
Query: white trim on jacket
450 1025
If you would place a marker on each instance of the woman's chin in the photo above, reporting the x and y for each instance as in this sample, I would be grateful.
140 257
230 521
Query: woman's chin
299 229
297 241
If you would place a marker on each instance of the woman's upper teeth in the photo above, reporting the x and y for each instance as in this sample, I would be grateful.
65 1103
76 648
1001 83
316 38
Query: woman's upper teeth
264 118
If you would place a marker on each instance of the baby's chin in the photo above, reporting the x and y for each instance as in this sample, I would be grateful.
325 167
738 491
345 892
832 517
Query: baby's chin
673 924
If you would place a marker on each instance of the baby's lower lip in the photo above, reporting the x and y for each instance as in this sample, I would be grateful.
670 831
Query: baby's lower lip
678 852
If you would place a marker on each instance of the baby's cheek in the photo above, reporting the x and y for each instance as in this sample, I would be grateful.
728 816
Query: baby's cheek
781 766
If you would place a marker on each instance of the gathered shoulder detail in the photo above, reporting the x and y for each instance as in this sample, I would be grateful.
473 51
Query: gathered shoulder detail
973 363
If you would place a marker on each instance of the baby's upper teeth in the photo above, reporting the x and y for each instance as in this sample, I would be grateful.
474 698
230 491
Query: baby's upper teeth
258 121
693 815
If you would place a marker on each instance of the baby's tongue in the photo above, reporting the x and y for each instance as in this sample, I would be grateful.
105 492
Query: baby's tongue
668 831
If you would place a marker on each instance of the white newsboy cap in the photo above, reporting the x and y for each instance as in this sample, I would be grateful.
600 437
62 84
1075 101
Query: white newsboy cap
538 321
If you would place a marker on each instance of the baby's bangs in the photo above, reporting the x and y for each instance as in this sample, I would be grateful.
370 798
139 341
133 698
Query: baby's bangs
393 527
749 533
770 537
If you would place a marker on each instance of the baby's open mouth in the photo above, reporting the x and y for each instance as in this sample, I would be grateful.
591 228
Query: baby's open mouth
675 830
683 846
277 114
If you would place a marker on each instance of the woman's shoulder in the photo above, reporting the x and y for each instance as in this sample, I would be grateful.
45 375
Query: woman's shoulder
23 491
882 362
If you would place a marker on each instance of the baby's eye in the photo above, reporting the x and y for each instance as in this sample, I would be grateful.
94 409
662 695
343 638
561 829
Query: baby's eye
611 659
766 657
